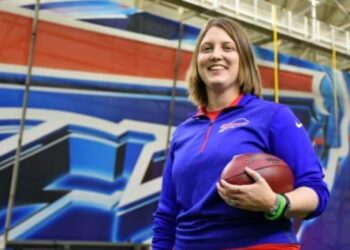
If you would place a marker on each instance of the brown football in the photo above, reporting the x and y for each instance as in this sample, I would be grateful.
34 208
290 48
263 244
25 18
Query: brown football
273 169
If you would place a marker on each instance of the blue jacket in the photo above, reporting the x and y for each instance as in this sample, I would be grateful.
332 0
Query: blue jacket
191 214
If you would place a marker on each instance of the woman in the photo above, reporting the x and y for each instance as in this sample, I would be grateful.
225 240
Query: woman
197 210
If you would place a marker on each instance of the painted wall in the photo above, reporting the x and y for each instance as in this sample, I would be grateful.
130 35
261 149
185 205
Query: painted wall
96 129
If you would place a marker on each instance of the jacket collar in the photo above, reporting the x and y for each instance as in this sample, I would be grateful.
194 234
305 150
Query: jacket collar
242 100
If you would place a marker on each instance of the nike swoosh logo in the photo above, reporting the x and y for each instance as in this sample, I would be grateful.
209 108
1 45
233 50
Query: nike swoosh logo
298 124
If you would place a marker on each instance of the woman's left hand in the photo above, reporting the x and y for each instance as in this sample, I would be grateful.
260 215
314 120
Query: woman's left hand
254 197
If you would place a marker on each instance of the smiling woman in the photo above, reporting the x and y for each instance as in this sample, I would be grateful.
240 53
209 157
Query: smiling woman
218 64
198 209
224 44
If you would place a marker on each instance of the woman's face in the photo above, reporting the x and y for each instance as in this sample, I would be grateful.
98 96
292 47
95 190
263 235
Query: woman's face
218 61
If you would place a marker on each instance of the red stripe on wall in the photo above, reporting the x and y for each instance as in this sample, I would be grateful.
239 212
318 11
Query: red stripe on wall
70 48
15 32
287 80
63 47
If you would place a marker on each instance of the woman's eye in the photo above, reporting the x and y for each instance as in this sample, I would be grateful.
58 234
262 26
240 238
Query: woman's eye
206 49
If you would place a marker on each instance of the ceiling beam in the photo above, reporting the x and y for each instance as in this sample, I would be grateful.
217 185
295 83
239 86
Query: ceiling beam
264 40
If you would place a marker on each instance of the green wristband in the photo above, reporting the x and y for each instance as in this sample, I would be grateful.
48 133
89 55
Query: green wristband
279 211
287 207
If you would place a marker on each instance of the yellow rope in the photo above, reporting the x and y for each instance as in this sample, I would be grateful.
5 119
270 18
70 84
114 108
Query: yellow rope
335 90
275 52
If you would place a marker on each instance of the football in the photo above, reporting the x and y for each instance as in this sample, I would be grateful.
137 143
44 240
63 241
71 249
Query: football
273 169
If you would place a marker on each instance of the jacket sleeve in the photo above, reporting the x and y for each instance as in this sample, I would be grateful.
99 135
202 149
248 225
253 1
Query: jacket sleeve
164 218
290 141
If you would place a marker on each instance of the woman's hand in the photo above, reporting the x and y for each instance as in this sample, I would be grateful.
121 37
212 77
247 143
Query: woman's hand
253 197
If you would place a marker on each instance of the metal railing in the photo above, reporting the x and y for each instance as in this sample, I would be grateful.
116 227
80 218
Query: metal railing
300 27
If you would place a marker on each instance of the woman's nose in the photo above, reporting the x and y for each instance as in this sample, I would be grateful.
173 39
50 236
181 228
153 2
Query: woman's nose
216 54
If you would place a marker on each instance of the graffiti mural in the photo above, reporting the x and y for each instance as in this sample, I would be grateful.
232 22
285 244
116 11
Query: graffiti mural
96 130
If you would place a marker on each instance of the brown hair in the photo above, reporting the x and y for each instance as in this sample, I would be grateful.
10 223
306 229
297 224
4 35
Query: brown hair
248 75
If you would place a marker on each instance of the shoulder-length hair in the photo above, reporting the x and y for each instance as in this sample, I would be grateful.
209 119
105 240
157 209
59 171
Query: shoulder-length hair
248 73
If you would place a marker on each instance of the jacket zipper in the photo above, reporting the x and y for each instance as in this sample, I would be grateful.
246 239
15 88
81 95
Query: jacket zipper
206 137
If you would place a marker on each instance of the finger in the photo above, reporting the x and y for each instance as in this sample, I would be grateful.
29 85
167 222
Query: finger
218 187
222 194
221 191
227 185
229 199
230 188
253 174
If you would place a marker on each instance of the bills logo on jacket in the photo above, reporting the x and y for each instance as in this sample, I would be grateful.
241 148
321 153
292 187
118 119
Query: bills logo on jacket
234 124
